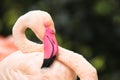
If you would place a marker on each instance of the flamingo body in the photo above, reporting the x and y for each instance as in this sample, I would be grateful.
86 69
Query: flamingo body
19 66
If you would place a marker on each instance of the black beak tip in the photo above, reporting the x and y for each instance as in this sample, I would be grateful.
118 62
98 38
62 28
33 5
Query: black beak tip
48 62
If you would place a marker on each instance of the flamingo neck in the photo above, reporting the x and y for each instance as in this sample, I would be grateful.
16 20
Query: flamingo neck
21 41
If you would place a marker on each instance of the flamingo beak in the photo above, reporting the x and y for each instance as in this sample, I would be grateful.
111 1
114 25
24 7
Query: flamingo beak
50 47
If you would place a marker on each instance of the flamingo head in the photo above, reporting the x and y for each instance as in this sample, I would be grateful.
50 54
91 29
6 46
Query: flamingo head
50 47
49 40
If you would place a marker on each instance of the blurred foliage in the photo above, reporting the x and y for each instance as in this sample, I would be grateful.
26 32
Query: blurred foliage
88 27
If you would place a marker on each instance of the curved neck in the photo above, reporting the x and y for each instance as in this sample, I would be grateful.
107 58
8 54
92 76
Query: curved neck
21 41
77 63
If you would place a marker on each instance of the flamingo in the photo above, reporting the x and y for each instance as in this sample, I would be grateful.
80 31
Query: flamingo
27 66
6 46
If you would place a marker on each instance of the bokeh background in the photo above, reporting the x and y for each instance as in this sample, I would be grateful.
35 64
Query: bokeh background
88 27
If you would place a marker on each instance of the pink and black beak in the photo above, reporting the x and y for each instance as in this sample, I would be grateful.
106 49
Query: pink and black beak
50 47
